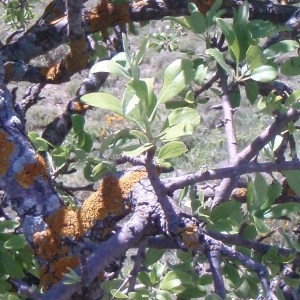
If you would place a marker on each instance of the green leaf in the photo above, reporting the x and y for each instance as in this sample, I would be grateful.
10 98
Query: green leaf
4 287
11 266
110 66
156 272
171 149
264 74
118 295
59 155
183 115
140 88
139 135
293 179
214 12
252 91
140 294
174 281
219 57
145 279
280 48
231 37
39 143
16 242
261 225
255 57
152 256
196 22
102 169
85 142
104 101
163 295
136 150
176 132
293 98
280 210
177 76
274 191
261 28
212 296
200 74
8 225
77 123
260 191
88 169
249 231
225 210
291 67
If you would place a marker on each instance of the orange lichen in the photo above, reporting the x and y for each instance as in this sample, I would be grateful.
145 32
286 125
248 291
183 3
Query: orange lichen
55 271
79 107
32 171
190 236
46 243
65 222
78 57
6 150
106 14
107 201
51 73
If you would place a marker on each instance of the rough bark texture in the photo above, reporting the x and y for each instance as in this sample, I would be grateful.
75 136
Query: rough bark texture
89 239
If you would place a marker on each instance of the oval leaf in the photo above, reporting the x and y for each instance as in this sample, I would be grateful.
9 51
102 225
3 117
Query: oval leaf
219 57
103 100
110 66
177 76
264 74
171 149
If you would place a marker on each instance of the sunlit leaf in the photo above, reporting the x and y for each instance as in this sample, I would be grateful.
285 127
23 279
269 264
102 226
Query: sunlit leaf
280 210
177 76
103 100
171 149
264 74
16 242
231 37
280 48
137 149
110 66
195 21
293 179
219 57
255 57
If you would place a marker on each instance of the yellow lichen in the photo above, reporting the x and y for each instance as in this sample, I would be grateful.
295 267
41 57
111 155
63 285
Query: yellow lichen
51 73
108 200
190 236
79 107
6 150
79 56
106 14
32 171
55 271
